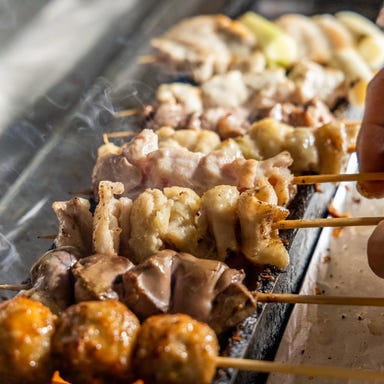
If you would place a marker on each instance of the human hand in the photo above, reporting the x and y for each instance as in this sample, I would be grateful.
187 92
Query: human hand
370 140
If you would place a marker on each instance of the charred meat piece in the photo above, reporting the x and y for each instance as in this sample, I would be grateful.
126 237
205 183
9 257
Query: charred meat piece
171 282
147 288
75 221
175 349
26 328
94 342
51 279
96 275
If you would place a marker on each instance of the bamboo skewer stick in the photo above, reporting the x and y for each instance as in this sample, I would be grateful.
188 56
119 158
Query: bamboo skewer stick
305 223
286 298
51 236
352 122
117 134
295 369
13 287
330 222
286 368
127 112
334 178
147 59
290 298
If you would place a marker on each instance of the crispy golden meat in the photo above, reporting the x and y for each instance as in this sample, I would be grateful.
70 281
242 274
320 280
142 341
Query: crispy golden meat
213 226
26 327
174 349
94 342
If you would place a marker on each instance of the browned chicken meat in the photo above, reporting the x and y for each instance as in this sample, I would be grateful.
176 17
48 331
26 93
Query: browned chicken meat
74 233
26 328
171 282
215 225
324 149
175 349
312 114
228 103
202 46
94 342
141 164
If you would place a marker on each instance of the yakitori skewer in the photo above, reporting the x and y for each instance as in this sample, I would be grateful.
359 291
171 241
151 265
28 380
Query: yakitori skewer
154 336
327 222
290 298
285 368
332 222
14 287
149 347
126 113
299 369
336 178
286 298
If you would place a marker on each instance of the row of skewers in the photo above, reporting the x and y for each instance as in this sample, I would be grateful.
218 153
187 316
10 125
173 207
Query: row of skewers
201 182
103 341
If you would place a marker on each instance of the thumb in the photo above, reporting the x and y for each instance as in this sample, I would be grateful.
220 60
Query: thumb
370 141
375 250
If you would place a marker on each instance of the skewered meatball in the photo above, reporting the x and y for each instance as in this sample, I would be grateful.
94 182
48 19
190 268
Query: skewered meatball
94 342
26 327
175 349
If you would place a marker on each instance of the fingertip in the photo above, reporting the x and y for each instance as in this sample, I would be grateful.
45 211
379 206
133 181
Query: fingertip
371 189
375 250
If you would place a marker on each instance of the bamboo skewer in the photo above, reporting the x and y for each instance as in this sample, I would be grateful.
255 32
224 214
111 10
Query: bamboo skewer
285 298
13 287
118 134
51 236
127 112
351 122
147 59
305 223
295 369
290 298
334 178
330 222
286 368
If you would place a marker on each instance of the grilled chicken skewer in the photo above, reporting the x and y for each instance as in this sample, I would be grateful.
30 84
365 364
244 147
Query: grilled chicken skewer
348 42
168 282
222 224
104 341
143 163
322 150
